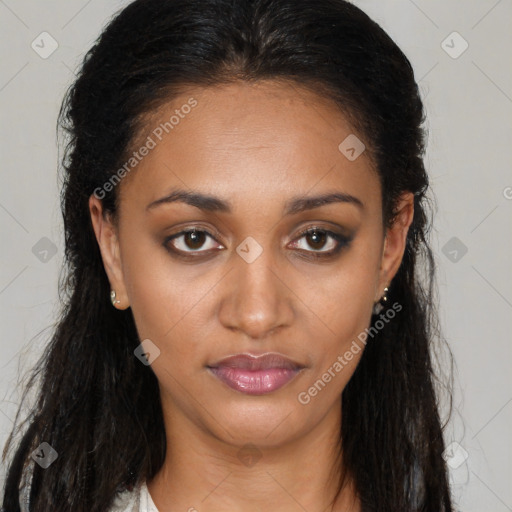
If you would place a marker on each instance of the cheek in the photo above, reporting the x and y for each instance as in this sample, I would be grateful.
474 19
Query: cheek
343 297
344 306
167 299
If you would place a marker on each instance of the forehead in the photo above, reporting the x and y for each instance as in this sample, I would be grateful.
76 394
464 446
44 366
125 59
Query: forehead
248 141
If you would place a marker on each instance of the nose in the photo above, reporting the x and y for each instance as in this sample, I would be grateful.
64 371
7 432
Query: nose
256 300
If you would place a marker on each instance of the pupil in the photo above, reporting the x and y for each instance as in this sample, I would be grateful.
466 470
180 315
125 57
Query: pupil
197 239
317 238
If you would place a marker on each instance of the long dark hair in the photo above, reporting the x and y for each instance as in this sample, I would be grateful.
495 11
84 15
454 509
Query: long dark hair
97 406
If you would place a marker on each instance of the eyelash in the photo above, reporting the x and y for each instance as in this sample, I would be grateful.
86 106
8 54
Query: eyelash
341 240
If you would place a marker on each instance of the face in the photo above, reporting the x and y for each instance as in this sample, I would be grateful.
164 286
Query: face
268 269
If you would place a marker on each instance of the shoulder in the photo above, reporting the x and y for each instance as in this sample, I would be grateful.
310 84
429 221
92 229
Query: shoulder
137 499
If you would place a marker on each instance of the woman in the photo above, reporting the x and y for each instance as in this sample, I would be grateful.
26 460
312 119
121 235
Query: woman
246 325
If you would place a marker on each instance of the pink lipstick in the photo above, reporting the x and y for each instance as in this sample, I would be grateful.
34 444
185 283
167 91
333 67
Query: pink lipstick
255 375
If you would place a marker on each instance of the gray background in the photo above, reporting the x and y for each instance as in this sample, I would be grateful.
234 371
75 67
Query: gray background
469 106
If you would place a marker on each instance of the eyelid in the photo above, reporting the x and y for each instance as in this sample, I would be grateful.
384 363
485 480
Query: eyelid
215 235
341 240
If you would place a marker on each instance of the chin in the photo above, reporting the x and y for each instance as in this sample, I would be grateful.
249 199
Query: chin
264 424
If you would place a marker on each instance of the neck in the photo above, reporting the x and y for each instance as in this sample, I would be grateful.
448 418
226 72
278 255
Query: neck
202 473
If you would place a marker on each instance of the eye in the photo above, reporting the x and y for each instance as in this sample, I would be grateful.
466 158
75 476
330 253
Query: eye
324 242
190 241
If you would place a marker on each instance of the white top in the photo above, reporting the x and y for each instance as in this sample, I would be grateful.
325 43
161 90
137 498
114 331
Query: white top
137 500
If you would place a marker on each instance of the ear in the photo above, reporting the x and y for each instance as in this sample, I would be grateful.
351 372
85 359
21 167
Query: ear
394 242
107 238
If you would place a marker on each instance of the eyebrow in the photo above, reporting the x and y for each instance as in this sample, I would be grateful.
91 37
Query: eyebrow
293 206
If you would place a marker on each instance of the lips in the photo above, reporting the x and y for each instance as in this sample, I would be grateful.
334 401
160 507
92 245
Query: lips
262 362
255 375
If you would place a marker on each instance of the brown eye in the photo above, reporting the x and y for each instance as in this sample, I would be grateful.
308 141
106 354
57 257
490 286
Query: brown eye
194 239
190 241
317 239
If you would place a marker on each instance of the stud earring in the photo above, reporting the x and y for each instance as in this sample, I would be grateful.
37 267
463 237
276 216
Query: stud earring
379 305
113 298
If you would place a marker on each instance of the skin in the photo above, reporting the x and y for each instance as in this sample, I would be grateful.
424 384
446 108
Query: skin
255 145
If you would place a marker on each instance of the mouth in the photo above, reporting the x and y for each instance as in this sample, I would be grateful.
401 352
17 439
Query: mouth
255 375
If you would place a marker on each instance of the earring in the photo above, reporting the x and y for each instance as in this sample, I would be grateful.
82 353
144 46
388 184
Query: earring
113 298
379 305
